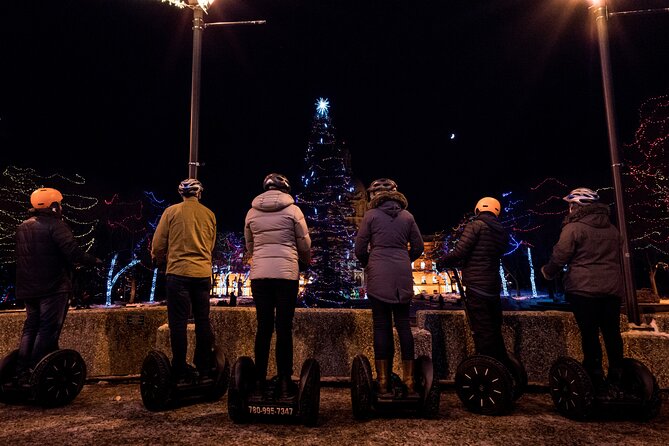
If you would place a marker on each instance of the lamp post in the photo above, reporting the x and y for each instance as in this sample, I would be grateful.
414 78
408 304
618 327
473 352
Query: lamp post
199 8
601 16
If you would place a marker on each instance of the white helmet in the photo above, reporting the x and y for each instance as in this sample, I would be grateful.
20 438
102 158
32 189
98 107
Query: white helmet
190 188
582 196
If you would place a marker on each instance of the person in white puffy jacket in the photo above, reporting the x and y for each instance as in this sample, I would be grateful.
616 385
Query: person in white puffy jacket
277 237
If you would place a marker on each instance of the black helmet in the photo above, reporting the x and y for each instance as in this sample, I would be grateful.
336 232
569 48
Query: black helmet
380 185
276 181
190 188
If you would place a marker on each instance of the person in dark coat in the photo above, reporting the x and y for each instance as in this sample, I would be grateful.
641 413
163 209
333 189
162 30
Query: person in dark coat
590 247
478 252
381 247
46 253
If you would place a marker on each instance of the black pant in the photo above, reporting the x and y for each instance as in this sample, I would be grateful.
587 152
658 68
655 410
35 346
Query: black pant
485 321
184 293
275 301
382 315
593 315
44 321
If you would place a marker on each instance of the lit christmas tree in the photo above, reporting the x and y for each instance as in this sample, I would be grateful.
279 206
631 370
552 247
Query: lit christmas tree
647 188
326 203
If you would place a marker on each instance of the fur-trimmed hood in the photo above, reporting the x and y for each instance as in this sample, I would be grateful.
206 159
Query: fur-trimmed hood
385 196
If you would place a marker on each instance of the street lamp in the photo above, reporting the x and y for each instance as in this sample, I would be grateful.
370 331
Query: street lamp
601 15
199 8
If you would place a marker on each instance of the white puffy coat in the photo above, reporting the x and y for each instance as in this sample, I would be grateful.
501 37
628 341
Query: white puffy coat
276 236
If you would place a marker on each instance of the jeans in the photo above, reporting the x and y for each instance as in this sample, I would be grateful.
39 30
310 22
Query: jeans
44 321
382 315
275 301
593 314
183 295
485 320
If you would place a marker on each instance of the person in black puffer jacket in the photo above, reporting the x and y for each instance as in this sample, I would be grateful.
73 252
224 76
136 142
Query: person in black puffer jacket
590 246
46 252
381 246
478 252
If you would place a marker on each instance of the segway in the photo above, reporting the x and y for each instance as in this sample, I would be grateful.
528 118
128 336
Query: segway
366 396
246 403
55 381
575 397
485 385
160 390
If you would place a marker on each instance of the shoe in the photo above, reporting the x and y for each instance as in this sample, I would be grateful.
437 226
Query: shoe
189 375
383 377
408 379
287 388
259 389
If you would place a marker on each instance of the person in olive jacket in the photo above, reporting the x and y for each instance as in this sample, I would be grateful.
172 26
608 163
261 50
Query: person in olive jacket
277 237
381 246
590 247
478 251
183 242
46 252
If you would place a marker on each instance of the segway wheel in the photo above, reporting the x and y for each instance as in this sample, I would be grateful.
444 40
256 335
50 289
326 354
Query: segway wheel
639 383
427 387
156 384
571 389
220 374
310 392
58 378
7 375
519 375
361 387
484 385
242 377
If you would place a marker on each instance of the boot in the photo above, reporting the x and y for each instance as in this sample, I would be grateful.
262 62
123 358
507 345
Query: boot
407 377
383 376
287 388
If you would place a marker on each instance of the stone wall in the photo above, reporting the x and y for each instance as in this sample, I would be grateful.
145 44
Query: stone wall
114 342
333 337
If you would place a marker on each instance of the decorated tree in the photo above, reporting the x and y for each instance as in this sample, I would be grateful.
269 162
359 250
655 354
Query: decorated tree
647 187
326 203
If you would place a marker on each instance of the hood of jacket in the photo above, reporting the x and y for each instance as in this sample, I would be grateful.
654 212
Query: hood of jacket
390 202
492 222
272 200
54 212
595 215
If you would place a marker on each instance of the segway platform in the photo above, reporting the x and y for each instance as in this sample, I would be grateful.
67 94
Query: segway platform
245 402
56 380
575 397
160 390
365 396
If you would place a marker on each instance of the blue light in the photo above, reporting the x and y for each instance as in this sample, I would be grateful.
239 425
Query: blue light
322 107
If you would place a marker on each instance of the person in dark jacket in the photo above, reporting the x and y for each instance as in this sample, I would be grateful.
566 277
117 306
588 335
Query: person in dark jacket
381 246
183 242
46 253
277 237
478 252
590 247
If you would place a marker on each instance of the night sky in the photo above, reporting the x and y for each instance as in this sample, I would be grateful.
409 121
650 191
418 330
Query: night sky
102 88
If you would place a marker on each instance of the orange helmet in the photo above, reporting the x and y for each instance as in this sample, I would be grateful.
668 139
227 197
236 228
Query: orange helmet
44 197
488 204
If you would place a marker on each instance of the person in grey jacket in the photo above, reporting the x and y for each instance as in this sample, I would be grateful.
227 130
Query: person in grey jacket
381 247
278 240
590 247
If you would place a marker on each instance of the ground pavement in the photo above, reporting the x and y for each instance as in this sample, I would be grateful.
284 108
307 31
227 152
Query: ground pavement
112 414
